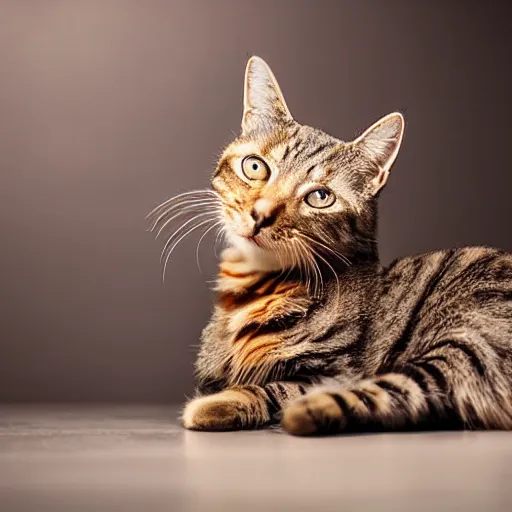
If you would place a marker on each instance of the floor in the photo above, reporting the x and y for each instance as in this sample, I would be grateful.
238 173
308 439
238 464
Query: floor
78 458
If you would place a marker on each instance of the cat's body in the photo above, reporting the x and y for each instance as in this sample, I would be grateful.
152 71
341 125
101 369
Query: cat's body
308 328
425 342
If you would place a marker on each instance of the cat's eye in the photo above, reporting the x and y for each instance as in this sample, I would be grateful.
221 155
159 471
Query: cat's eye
255 168
320 198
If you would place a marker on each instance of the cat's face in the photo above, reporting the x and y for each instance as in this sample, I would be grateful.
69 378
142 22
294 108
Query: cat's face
289 191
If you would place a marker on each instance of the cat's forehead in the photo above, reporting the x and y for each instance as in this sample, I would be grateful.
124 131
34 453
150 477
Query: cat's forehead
298 149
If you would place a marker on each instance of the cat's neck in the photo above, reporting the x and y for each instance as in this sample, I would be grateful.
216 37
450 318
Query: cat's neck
240 269
251 258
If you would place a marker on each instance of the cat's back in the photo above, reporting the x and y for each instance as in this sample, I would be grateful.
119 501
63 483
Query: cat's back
425 294
464 267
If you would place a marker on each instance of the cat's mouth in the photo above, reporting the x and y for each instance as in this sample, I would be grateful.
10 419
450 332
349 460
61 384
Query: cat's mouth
254 239
249 234
249 241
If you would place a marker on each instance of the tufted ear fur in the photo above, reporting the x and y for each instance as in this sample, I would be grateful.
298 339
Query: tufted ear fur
264 104
381 143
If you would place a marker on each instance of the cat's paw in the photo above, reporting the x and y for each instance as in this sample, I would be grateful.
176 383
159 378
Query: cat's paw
212 412
316 413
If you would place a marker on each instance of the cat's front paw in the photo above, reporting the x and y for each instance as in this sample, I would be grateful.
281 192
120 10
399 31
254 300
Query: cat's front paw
313 414
212 412
235 408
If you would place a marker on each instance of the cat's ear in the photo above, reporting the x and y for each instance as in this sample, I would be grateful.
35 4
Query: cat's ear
264 104
381 143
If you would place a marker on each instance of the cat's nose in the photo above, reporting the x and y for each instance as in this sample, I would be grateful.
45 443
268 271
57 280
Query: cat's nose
261 221
264 213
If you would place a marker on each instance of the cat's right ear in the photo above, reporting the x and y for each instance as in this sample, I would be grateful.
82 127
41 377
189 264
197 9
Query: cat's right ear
264 104
381 143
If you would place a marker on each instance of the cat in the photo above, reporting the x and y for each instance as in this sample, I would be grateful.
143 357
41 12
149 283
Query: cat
308 330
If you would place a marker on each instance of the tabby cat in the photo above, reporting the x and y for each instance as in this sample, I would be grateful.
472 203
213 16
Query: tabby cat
308 329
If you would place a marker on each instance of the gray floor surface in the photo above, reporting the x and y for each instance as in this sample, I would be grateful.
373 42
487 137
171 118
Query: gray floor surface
78 458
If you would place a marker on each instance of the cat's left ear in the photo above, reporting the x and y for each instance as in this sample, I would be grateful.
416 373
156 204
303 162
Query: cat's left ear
264 104
381 143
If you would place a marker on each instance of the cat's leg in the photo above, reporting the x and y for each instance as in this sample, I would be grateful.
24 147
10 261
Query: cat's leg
455 381
391 400
240 407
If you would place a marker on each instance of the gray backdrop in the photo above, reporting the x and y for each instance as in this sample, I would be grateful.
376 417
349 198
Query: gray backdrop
107 108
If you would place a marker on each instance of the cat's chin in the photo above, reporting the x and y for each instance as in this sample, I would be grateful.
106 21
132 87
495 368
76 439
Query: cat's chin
256 257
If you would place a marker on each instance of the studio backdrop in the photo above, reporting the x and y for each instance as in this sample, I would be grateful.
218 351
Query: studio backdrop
108 108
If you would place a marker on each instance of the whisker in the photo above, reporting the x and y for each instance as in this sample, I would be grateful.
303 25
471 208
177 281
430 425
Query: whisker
320 277
306 265
170 239
290 261
342 257
201 239
184 203
299 260
192 229
318 286
332 269
197 193
220 238
172 203
207 206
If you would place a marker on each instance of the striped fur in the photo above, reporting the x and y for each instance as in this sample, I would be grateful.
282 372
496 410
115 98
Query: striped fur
308 329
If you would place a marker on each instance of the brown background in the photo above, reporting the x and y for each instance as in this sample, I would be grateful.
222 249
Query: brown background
107 108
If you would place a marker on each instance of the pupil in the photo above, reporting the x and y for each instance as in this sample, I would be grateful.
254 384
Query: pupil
322 194
255 166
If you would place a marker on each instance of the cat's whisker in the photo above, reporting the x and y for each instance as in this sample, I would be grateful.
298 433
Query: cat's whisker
197 193
220 233
327 248
298 259
218 239
319 286
291 260
335 274
342 257
223 236
182 205
181 228
307 265
181 201
319 278
287 263
182 212
201 239
307 262
311 272
174 245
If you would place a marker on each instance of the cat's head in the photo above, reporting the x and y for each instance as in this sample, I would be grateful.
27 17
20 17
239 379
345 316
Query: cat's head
289 190
285 194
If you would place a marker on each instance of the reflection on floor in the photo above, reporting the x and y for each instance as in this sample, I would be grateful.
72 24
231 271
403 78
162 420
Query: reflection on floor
138 458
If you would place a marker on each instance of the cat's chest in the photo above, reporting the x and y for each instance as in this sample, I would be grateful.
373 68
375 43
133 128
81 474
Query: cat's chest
256 310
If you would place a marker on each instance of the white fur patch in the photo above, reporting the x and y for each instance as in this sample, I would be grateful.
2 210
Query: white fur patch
255 258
